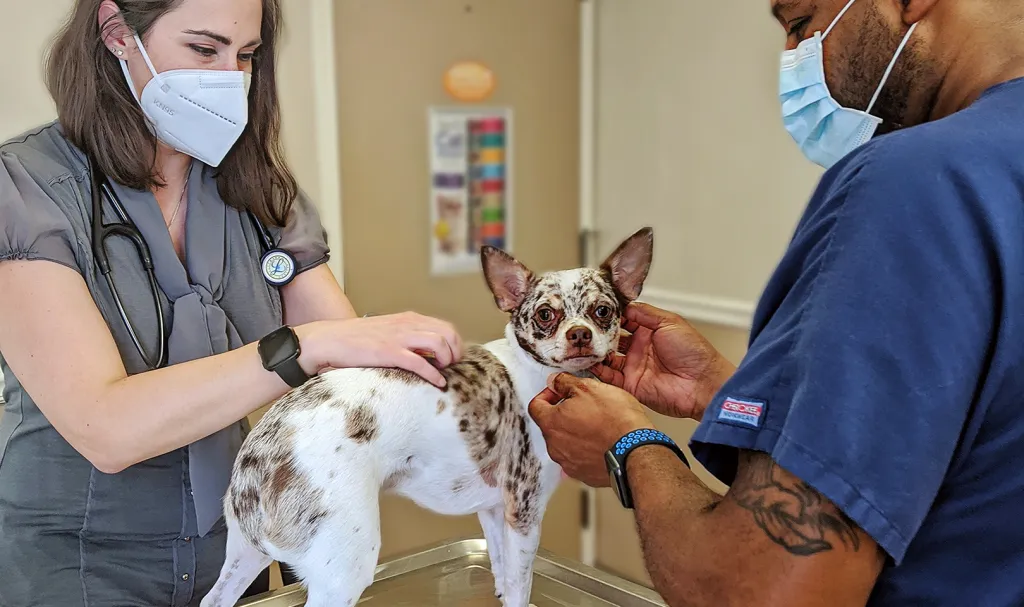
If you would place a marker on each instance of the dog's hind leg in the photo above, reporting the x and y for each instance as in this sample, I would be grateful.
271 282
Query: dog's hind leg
342 558
493 524
524 511
242 564
520 545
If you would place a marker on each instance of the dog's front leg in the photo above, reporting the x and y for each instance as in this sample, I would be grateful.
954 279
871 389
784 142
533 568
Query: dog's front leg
493 524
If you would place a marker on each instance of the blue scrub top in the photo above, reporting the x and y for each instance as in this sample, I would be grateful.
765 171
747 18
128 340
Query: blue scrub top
887 355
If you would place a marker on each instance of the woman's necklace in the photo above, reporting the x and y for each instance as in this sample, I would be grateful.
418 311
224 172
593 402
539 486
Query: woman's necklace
184 188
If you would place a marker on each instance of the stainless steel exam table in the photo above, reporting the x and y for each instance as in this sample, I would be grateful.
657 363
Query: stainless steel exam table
457 574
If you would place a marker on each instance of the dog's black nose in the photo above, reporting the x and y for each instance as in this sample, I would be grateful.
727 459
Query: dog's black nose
579 336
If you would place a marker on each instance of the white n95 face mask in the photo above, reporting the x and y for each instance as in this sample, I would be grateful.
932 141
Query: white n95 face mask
824 130
201 113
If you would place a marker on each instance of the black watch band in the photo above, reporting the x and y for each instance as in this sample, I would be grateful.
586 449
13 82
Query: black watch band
279 351
615 459
292 373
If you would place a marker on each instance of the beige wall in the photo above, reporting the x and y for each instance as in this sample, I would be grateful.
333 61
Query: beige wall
26 29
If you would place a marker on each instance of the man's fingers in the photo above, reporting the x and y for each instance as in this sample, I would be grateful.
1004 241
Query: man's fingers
649 316
625 339
541 404
616 361
563 384
608 375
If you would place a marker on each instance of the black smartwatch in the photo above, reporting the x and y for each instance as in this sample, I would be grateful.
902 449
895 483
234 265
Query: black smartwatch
615 459
279 351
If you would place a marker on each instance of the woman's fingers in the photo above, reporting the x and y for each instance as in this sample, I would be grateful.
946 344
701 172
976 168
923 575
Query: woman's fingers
419 365
446 330
431 344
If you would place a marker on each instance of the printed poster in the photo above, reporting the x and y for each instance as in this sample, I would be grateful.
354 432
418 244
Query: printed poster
470 193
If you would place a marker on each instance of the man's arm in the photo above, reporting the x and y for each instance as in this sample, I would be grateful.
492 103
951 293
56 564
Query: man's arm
771 540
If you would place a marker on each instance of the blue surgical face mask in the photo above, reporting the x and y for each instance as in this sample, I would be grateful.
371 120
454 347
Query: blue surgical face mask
824 130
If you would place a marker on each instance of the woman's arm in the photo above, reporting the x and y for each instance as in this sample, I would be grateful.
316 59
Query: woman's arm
315 295
57 343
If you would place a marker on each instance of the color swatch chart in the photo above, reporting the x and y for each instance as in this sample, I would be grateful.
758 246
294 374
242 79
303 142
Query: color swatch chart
470 194
487 182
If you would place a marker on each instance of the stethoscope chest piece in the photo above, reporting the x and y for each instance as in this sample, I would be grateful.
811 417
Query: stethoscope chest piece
278 267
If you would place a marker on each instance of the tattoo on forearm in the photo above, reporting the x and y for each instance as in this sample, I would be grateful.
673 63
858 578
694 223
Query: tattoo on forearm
789 511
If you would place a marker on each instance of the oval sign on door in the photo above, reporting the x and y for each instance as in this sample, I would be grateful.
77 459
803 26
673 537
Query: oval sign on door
469 81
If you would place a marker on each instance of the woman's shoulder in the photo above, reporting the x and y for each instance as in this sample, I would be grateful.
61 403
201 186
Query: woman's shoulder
44 154
41 181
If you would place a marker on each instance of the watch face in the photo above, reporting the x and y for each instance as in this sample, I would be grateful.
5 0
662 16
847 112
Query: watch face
616 476
279 346
614 480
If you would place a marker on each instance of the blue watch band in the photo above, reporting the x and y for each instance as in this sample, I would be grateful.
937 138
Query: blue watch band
615 458
646 436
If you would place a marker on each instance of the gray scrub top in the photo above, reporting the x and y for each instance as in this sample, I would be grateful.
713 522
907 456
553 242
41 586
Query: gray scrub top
69 534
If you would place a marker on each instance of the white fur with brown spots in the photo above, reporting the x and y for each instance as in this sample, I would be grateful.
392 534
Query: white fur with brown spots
305 485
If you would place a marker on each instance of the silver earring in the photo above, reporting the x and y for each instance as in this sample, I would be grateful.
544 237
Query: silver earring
119 52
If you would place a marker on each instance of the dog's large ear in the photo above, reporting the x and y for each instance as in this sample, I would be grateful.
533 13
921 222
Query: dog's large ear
629 264
508 279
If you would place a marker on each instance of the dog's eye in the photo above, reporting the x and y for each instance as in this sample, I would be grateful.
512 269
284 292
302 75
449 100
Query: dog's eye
602 311
545 315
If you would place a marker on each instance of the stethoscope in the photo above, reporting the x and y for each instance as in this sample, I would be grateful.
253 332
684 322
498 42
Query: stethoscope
277 265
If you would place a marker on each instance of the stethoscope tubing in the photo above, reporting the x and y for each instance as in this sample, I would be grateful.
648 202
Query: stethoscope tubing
127 229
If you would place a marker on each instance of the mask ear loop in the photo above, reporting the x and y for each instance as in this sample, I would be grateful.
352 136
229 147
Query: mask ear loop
128 75
836 20
888 70
145 55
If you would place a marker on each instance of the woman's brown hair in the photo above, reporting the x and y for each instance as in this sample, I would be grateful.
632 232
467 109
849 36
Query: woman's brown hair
101 117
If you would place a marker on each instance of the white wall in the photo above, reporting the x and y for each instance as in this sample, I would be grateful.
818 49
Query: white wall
690 140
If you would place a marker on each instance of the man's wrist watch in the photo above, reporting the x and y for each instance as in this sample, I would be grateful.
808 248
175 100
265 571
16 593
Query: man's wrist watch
279 350
615 459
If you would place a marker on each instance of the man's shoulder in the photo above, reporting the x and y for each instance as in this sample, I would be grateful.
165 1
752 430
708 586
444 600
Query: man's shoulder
933 168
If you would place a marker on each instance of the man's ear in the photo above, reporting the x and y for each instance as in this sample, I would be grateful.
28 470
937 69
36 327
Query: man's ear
913 11
508 279
628 265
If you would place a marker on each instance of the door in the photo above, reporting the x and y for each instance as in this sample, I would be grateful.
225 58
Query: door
391 58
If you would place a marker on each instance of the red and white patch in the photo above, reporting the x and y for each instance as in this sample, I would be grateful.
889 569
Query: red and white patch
742 411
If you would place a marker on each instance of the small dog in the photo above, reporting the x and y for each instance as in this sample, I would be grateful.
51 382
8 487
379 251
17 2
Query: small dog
305 485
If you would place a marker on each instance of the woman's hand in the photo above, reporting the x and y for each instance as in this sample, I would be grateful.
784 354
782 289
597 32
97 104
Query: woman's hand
404 341
667 364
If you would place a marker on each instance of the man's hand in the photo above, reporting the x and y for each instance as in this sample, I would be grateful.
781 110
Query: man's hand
667 364
579 429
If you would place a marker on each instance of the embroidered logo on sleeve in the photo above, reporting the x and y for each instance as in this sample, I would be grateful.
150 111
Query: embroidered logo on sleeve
742 411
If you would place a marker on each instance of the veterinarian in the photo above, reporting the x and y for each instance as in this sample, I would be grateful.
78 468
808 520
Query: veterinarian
127 398
873 433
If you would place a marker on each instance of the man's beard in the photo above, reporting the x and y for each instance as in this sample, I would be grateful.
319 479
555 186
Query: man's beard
864 63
